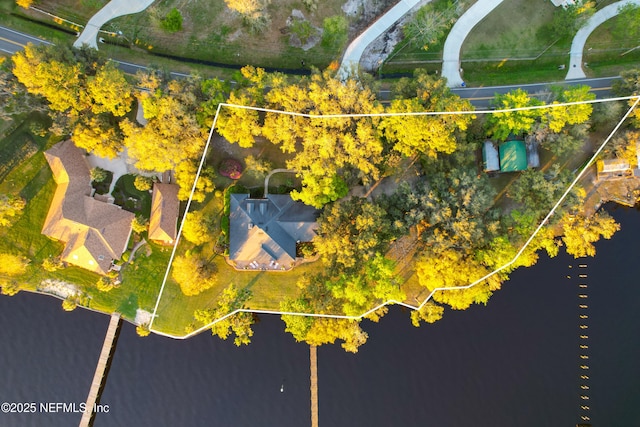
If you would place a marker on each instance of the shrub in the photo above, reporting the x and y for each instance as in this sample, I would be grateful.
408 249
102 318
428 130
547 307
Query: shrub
24 3
143 330
9 287
231 168
139 224
143 183
69 304
334 32
98 174
52 264
172 22
104 284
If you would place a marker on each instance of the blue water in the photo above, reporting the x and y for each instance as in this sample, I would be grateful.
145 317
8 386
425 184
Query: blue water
512 363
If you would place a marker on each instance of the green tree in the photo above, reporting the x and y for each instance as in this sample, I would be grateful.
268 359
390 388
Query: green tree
413 135
429 25
10 207
334 32
360 292
238 324
351 232
214 91
628 84
257 167
501 125
239 125
193 273
172 22
26 4
197 228
628 22
85 92
580 232
105 284
568 19
535 191
563 143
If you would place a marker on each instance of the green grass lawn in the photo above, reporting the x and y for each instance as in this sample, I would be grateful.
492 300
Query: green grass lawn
608 51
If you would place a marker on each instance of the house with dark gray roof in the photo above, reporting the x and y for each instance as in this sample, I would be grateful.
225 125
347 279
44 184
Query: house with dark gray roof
95 233
264 233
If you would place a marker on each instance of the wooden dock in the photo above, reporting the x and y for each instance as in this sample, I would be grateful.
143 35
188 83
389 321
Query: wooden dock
313 356
100 376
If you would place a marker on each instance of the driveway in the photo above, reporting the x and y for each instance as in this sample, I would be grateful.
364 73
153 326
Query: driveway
352 55
111 10
457 36
577 46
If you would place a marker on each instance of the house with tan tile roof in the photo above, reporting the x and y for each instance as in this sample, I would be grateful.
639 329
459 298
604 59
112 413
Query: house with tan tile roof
164 213
95 233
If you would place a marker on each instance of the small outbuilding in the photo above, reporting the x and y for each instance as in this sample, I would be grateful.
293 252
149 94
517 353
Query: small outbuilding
613 169
164 213
490 157
513 156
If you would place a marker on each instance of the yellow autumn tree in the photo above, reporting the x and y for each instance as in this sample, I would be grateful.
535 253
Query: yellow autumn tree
327 148
110 91
12 265
99 136
238 125
193 273
580 232
171 135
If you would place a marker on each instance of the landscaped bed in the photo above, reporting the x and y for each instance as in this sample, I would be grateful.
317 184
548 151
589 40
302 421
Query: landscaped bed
130 198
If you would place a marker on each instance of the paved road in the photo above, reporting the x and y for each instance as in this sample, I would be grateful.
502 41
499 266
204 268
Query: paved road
11 41
457 35
481 97
579 40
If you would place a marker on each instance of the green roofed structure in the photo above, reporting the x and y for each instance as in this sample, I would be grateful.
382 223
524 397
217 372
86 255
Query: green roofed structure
513 156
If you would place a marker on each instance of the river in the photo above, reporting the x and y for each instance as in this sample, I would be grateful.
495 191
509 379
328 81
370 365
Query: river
514 362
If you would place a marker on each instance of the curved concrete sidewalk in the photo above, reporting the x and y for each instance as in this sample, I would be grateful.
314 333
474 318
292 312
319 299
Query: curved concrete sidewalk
457 35
351 58
111 10
579 40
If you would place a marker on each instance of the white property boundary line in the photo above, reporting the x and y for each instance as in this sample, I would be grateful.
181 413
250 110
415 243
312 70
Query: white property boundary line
390 302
